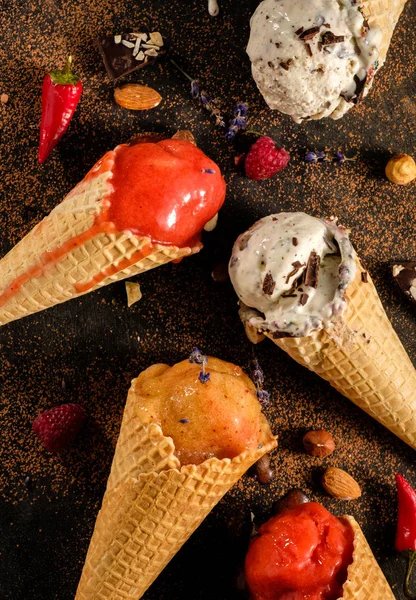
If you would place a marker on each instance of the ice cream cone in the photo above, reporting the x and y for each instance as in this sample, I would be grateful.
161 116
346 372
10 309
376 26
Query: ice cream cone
383 14
76 249
151 507
365 578
364 360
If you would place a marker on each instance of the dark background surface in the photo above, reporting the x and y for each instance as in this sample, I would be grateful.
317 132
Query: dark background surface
89 349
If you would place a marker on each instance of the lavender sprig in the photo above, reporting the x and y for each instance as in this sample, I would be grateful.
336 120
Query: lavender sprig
239 121
257 376
200 359
338 157
200 94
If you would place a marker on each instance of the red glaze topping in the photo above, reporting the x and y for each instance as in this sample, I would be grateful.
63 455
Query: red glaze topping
167 190
303 553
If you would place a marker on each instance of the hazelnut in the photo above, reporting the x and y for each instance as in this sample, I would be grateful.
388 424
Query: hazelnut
319 443
262 468
401 169
292 499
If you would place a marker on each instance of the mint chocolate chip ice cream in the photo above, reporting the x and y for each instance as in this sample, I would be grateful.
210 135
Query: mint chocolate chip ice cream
290 272
312 58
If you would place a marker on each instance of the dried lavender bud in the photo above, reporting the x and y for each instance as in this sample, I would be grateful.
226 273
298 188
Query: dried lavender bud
204 377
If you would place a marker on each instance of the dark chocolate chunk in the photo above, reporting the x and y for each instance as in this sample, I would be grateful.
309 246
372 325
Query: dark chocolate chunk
308 49
295 241
303 299
312 270
405 274
328 38
364 276
299 31
286 65
268 284
308 34
124 53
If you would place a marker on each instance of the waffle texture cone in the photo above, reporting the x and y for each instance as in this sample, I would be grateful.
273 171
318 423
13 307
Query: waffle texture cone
365 579
66 255
151 507
382 14
363 358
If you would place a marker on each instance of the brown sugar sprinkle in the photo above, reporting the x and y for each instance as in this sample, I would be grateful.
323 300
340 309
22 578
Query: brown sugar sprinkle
364 276
268 284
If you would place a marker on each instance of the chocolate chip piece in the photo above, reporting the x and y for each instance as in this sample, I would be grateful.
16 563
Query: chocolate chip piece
312 270
328 38
405 275
364 276
295 241
286 65
303 299
308 34
277 44
320 44
308 49
271 65
299 31
268 284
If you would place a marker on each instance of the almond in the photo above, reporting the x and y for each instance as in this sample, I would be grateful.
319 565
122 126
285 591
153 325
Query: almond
137 97
184 134
339 484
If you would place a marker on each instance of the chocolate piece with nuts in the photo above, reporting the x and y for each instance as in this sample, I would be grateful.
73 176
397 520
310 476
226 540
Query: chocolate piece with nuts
127 52
405 274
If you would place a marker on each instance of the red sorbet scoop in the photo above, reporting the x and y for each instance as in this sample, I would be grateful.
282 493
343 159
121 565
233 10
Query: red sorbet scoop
166 190
301 554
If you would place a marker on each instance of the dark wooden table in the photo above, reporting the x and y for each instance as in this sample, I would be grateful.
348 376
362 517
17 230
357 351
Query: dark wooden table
89 349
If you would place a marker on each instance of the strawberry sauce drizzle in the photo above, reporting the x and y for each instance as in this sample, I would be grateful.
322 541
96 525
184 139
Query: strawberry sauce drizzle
166 191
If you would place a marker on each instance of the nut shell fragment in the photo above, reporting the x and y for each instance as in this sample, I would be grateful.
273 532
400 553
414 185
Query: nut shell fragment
137 97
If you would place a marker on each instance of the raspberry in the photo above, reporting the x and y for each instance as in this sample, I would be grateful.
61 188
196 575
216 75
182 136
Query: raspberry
58 426
264 160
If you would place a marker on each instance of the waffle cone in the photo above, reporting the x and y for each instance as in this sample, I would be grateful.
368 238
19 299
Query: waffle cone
383 14
84 262
365 578
364 360
151 507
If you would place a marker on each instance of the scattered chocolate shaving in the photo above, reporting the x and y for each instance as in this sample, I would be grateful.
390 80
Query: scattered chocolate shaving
277 44
303 299
296 266
359 89
271 65
320 44
327 25
299 31
286 65
308 49
234 261
328 38
364 276
268 284
309 33
289 295
312 270
295 241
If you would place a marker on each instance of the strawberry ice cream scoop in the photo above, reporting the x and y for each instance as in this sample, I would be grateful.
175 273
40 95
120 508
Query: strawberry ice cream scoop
140 206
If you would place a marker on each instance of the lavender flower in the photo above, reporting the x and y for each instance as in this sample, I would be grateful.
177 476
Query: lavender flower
340 158
257 376
200 94
313 157
239 121
200 359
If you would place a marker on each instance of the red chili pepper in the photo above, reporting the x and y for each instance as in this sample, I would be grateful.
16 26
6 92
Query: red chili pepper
61 92
406 527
